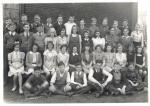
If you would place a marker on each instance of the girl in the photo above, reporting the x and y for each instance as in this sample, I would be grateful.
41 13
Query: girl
137 36
98 54
87 59
51 36
75 40
33 59
49 59
63 56
109 58
140 63
98 40
121 57
16 68
117 30
62 39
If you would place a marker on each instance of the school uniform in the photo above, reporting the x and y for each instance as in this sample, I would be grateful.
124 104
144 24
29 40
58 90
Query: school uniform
99 41
33 60
74 41
39 40
58 27
47 27
16 59
104 30
26 41
87 41
92 30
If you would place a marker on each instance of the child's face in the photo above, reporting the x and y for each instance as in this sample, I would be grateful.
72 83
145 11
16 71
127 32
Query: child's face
98 65
74 49
120 49
105 22
99 49
16 48
94 22
37 19
63 32
62 68
26 28
117 67
60 19
8 21
71 19
64 49
79 68
12 28
50 46
87 48
125 23
97 34
49 20
82 22
115 25
35 48
112 31
86 34
74 29
131 67
137 27
52 34
109 48
139 50
24 18
40 29
125 31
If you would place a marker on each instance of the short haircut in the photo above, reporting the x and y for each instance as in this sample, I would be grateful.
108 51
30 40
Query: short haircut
50 42
63 46
99 61
26 24
98 46
61 63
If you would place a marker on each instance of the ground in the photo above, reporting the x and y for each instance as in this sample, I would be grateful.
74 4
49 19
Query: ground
14 97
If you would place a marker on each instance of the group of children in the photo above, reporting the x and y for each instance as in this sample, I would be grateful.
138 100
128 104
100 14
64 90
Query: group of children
67 59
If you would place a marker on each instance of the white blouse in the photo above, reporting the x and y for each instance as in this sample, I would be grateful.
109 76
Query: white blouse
98 41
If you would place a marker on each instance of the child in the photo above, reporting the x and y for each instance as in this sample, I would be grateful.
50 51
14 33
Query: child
49 59
36 23
86 40
48 25
33 59
74 58
125 39
93 27
36 84
79 81
61 39
39 38
97 78
137 36
130 54
87 59
59 25
51 36
60 81
116 29
24 20
16 67
125 26
6 24
69 26
98 40
26 39
112 39
10 37
118 85
63 56
74 40
109 58
98 54
82 28
104 28
140 63
133 78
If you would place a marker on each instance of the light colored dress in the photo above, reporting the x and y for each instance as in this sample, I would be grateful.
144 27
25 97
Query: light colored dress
61 41
50 63
16 59
121 58
54 40
98 41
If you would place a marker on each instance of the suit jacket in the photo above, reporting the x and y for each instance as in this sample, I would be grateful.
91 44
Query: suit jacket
58 27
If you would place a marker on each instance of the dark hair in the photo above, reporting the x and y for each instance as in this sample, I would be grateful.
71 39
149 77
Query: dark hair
23 15
26 24
99 61
142 52
35 44
51 43
90 49
16 43
61 63
39 25
63 29
105 49
64 46
12 24
96 32
98 46
72 29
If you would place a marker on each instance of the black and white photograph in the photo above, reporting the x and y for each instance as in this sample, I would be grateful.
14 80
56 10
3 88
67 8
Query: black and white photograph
74 52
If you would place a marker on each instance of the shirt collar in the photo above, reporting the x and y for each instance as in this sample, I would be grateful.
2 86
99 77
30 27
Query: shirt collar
12 33
74 54
26 34
40 33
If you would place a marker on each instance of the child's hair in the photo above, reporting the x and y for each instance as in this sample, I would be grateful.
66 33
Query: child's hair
99 61
12 24
105 49
87 44
37 16
63 29
39 25
63 46
50 42
120 45
37 68
61 63
26 24
53 30
35 44
142 52
98 46
96 32
16 44
73 27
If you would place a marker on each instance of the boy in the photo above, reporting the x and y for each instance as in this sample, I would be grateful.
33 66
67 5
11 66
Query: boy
36 84
6 24
124 26
97 77
79 81
116 29
24 20
69 25
59 25
104 28
118 84
133 78
60 81
48 24
82 28
26 39
39 38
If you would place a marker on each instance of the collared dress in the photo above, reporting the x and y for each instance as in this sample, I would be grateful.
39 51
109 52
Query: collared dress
16 59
